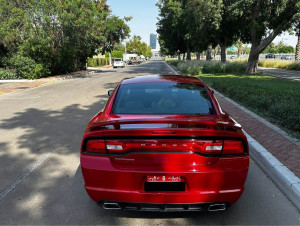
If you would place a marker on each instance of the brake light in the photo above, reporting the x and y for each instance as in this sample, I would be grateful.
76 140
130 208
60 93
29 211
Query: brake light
209 147
233 147
96 146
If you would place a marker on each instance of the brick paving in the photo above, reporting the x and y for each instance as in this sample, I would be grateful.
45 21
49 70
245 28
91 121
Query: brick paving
284 150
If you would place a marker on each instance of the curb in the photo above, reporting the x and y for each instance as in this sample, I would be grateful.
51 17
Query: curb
281 176
46 81
172 69
16 80
74 76
55 79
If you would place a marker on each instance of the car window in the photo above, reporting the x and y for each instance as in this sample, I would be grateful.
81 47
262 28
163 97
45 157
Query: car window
162 98
118 60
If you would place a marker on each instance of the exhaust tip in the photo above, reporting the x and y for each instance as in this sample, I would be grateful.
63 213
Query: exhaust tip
217 207
111 206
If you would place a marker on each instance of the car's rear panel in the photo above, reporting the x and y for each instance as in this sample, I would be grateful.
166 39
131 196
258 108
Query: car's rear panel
123 175
169 161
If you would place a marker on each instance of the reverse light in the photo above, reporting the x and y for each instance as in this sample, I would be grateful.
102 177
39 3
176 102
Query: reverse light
115 147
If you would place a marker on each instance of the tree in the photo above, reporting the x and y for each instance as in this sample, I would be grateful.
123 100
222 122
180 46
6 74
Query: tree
116 30
135 45
171 27
58 34
262 21
239 45
297 56
203 20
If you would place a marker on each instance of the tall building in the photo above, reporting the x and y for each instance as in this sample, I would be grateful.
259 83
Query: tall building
153 40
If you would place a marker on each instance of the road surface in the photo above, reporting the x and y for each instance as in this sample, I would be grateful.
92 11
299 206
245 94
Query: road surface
41 181
281 73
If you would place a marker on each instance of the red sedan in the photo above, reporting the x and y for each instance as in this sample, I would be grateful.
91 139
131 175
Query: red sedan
162 143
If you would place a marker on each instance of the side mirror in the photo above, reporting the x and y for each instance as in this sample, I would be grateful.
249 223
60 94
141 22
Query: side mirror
110 92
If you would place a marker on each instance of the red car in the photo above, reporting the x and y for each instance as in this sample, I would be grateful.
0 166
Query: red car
162 143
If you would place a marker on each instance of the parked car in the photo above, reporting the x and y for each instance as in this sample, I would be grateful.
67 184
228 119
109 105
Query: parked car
270 55
233 57
118 62
284 57
162 143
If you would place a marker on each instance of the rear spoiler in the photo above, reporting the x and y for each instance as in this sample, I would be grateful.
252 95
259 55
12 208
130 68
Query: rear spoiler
164 124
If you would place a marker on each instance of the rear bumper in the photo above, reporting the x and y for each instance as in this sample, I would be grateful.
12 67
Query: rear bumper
163 207
222 182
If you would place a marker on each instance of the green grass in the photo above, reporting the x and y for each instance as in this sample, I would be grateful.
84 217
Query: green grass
282 64
277 100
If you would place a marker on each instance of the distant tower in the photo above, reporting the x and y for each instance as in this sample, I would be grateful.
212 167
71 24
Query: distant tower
153 39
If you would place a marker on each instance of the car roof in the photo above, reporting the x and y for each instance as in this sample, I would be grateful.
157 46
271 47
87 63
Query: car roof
163 78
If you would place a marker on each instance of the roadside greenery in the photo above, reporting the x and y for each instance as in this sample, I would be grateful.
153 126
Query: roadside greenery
187 26
202 67
275 99
279 48
135 45
295 65
97 62
47 37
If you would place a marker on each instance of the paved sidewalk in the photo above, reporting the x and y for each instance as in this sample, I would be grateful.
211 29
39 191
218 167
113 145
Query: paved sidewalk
281 73
283 149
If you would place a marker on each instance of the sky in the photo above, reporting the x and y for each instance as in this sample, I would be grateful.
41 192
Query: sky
145 13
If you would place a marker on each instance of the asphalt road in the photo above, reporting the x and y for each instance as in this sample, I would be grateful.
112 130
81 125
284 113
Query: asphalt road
40 176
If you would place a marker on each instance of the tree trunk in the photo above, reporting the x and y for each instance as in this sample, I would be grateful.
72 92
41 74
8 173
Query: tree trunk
297 57
240 48
208 53
223 53
198 56
258 47
188 54
183 57
252 62
179 56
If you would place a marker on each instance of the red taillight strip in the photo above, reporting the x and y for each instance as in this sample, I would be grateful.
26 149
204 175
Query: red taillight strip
204 147
95 146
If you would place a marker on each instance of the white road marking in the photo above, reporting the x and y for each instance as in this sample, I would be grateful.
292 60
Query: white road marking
25 175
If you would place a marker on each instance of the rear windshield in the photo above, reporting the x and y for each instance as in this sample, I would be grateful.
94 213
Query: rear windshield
162 98
118 60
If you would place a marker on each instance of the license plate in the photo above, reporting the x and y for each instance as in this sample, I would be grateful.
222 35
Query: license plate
164 179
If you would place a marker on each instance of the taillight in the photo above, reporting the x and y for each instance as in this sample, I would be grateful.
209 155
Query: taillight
233 147
96 146
208 147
